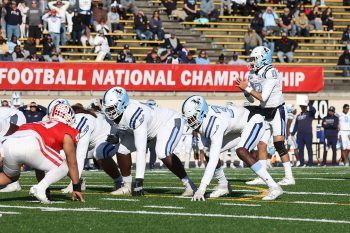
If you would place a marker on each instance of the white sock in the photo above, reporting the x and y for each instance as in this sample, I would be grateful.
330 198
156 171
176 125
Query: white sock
187 160
127 179
263 174
288 169
220 176
196 162
187 180
53 176
263 163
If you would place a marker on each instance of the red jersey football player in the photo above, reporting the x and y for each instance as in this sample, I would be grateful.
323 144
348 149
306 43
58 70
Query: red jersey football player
37 145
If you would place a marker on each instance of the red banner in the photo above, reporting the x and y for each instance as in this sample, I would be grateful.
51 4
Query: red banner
144 77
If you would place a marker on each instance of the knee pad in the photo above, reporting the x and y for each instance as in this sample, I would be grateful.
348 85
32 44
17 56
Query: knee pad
280 148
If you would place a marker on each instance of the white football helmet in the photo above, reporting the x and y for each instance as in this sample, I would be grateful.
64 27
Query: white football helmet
62 113
114 102
54 102
260 57
290 108
194 110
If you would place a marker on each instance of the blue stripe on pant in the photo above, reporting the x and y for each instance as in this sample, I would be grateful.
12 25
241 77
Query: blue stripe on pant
252 136
106 150
173 136
283 120
305 140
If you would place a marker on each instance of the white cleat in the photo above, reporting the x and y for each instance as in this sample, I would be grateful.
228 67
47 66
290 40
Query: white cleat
83 184
287 181
273 194
124 190
202 165
13 187
256 181
189 190
39 194
221 191
68 189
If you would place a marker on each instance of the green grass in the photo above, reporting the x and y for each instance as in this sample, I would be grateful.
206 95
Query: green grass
96 214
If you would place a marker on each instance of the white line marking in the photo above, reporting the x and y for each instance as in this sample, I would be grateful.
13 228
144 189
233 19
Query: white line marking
181 197
182 214
4 212
316 193
120 199
235 204
315 203
52 202
320 178
163 207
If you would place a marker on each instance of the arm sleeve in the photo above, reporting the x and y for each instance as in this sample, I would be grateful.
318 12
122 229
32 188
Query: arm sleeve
215 148
270 83
82 149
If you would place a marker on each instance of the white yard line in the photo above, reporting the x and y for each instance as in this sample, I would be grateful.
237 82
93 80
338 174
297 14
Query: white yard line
163 207
236 204
120 199
181 214
9 212
52 202
318 193
315 203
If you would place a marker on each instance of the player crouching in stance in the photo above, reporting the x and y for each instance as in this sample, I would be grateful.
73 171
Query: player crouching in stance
226 128
147 123
36 145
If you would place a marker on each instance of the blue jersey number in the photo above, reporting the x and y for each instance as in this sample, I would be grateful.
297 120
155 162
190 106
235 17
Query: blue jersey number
219 109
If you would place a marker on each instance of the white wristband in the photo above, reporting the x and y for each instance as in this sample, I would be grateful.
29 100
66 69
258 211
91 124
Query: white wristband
249 89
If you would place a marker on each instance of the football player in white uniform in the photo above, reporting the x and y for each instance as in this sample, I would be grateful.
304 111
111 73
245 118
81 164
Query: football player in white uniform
291 139
265 85
147 123
15 117
93 134
225 128
344 133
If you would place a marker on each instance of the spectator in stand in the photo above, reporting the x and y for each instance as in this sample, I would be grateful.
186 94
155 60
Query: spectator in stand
13 43
221 60
174 59
18 54
315 18
154 58
156 26
344 63
4 50
327 19
236 61
13 20
257 23
77 28
22 6
61 8
4 5
270 17
47 48
34 22
202 58
208 10
286 22
313 2
251 40
122 13
175 44
268 42
125 56
191 9
346 3
130 6
167 53
54 22
225 7
292 5
285 47
35 113
141 26
170 5
85 12
29 47
302 24
189 59
330 123
56 55
101 46
99 14
114 20
303 129
346 37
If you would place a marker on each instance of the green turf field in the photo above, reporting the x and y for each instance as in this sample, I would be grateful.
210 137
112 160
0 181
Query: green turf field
319 202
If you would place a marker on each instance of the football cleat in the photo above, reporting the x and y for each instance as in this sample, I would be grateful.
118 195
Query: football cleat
220 191
273 194
13 187
287 181
189 189
256 181
124 190
39 194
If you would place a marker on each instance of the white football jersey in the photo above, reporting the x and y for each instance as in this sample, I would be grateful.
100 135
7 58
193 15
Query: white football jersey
255 83
270 86
12 115
291 116
344 121
4 127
